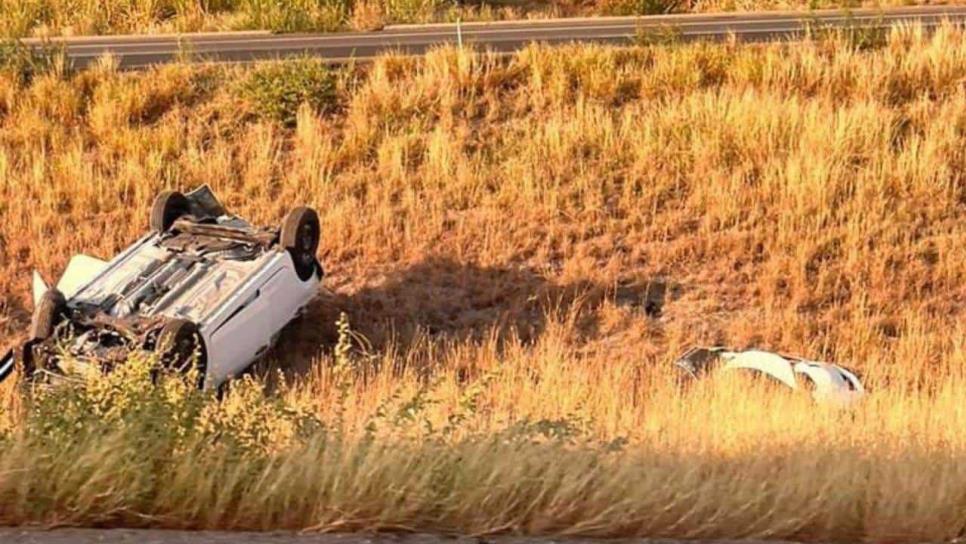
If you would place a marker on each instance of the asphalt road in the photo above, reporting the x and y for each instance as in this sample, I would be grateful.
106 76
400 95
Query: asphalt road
129 536
135 52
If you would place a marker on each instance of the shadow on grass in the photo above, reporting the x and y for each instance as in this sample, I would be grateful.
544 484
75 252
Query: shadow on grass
443 298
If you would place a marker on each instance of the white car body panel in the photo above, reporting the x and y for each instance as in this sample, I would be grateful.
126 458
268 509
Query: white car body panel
762 361
81 270
829 383
832 383
243 327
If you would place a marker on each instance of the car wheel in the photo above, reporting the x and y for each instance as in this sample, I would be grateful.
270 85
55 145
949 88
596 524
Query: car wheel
300 237
180 348
168 207
49 313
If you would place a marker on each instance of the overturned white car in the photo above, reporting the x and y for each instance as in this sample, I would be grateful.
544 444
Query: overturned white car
827 382
204 288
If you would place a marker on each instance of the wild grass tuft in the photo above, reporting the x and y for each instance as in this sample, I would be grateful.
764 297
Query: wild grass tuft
22 63
725 458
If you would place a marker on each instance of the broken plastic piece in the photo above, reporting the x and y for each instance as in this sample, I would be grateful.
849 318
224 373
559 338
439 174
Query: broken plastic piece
771 364
39 287
828 382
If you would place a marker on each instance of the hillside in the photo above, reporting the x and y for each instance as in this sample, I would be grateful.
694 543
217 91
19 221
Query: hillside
531 240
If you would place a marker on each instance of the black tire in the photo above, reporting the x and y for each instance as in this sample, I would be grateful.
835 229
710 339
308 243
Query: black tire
50 312
28 363
181 348
167 208
300 236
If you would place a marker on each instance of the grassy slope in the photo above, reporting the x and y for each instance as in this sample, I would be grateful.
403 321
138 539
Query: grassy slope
525 213
45 17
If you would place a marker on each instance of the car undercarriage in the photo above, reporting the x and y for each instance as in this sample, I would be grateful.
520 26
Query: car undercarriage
198 274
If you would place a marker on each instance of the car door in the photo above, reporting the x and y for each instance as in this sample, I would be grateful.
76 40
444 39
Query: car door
247 331
254 323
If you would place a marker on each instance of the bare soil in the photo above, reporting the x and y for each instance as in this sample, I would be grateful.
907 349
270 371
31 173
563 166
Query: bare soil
147 536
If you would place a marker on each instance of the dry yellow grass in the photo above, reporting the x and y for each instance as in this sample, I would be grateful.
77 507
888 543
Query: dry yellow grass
503 231
718 460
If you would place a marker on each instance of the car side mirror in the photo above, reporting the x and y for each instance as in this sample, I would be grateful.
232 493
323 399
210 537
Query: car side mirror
7 363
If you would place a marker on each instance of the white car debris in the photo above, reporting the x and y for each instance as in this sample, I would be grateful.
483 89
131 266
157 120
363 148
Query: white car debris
828 383
203 288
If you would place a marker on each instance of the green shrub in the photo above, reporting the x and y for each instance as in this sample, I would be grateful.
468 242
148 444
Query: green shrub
276 90
415 11
295 15
643 7
25 62
167 412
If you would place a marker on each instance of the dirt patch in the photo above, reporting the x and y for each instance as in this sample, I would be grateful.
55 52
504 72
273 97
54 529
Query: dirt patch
139 536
